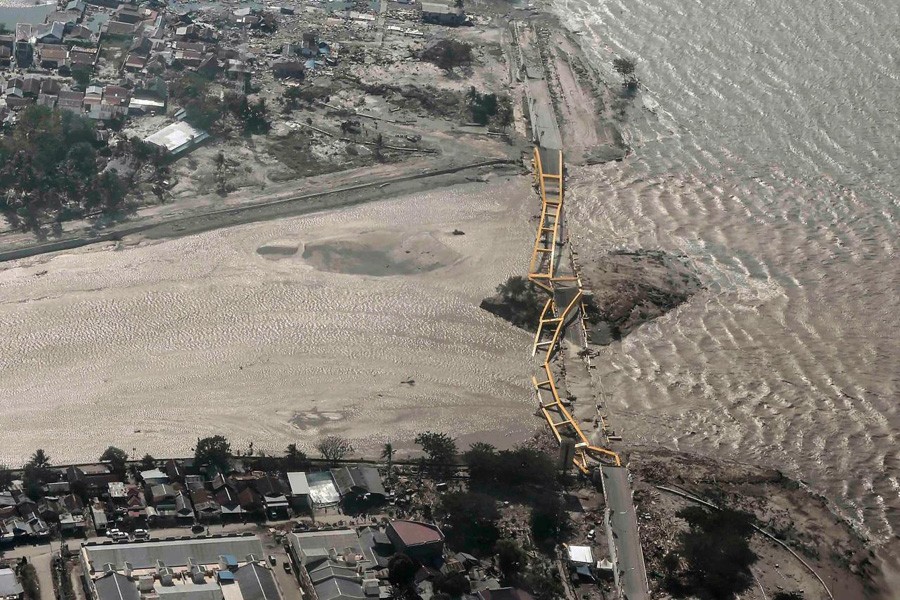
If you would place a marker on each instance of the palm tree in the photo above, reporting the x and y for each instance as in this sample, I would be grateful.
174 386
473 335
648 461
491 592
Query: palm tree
40 459
387 453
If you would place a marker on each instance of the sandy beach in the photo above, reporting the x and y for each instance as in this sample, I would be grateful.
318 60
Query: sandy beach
362 322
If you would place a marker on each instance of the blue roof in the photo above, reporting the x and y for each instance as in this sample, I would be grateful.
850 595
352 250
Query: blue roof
230 559
225 575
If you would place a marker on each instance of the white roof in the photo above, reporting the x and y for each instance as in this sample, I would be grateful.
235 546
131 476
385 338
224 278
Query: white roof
299 484
153 473
176 136
9 584
581 554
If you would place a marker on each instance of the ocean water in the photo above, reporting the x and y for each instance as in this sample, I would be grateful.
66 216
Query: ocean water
15 11
765 150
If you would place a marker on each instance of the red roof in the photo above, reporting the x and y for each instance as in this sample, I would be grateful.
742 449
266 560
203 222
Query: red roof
413 533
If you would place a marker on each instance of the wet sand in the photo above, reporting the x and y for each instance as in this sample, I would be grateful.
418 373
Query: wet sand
375 335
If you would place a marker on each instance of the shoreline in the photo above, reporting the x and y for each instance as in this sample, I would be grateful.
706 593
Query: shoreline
872 577
175 226
186 225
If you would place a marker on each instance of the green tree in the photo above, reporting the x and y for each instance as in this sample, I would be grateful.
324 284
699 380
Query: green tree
402 571
29 580
117 459
6 477
214 451
440 448
716 551
470 521
334 448
148 463
454 585
387 454
482 106
509 470
481 459
544 584
82 77
510 557
36 473
625 67
548 520
294 458
518 302
50 172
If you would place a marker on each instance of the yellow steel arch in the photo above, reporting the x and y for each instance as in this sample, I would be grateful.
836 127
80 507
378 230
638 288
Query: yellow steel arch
562 305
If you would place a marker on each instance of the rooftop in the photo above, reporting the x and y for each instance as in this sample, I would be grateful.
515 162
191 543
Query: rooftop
173 553
9 585
322 543
298 483
177 137
413 533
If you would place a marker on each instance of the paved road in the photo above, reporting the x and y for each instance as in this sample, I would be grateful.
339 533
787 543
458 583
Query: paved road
630 558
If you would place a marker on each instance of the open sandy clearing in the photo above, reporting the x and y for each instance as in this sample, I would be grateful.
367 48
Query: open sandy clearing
363 321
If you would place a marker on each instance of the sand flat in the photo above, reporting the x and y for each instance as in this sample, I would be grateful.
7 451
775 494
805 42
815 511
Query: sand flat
149 344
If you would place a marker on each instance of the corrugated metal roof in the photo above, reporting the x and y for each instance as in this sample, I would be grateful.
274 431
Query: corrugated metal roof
202 591
256 583
317 542
9 585
174 553
322 489
299 484
116 586
412 533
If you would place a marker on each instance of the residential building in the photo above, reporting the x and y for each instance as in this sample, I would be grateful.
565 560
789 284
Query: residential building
322 489
184 511
49 33
162 497
177 138
422 541
95 477
442 14
152 476
10 588
24 51
98 515
53 56
205 505
359 483
71 101
299 493
229 504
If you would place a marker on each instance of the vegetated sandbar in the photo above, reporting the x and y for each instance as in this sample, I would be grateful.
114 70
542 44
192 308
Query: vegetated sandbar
375 335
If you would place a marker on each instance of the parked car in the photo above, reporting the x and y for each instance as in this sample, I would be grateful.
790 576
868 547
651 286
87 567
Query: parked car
141 534
272 560
287 566
111 533
198 528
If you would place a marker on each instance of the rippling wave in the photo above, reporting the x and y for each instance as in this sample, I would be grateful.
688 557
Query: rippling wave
765 150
